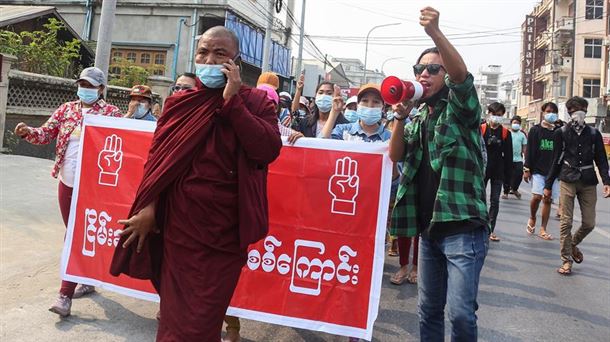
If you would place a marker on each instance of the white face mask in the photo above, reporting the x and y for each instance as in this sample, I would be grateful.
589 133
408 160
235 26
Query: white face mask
496 119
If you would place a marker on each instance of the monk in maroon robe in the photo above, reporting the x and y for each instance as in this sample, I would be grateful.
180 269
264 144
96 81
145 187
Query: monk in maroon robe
203 198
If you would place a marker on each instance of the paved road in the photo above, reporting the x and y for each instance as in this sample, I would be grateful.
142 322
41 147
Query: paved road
521 296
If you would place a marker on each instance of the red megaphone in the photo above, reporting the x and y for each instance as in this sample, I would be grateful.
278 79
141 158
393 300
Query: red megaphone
394 90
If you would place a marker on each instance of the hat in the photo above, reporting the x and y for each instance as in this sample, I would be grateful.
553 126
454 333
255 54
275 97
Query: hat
271 93
353 99
141 90
286 95
369 87
270 79
304 101
93 75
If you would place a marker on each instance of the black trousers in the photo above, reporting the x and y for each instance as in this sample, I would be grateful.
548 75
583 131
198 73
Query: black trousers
514 183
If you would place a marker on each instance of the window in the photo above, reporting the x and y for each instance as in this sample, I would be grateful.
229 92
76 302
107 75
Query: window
563 86
116 56
160 58
140 57
593 48
590 88
594 9
145 58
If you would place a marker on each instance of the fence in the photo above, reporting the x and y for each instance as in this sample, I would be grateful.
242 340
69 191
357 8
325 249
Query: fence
32 98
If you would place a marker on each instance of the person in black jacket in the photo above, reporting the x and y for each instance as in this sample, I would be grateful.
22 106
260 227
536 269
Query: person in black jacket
311 126
499 146
577 147
538 161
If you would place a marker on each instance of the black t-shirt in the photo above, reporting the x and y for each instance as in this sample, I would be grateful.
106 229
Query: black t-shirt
499 153
540 144
427 182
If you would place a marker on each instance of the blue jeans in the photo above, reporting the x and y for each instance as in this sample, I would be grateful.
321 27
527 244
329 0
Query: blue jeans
448 272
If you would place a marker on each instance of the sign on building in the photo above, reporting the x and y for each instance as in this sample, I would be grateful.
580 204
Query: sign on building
527 68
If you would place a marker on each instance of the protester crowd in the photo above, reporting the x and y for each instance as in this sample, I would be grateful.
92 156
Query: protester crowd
439 216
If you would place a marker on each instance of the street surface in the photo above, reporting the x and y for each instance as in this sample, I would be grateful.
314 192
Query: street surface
521 296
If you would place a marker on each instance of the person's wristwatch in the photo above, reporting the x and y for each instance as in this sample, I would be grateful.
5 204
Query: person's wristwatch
400 118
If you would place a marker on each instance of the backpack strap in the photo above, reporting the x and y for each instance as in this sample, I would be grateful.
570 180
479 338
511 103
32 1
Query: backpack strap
504 133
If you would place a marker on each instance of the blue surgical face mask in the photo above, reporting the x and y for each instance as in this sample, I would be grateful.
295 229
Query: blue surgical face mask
324 103
351 115
551 117
516 127
210 75
302 113
141 111
369 116
88 95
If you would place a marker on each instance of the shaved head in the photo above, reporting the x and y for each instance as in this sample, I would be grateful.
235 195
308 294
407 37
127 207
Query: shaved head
222 32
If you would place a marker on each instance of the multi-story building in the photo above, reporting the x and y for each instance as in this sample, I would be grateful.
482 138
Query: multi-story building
150 33
354 72
488 84
508 96
564 54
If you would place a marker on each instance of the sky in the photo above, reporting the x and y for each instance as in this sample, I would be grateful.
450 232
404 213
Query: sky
484 31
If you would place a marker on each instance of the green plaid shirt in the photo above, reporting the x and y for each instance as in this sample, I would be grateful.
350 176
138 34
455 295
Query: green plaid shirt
454 143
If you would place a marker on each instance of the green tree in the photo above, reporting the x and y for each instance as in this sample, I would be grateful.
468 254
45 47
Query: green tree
124 73
41 52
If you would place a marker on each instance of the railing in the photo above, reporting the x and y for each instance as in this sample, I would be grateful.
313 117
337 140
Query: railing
28 90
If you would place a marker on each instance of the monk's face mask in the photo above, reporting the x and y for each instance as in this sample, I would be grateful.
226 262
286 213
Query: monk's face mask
211 75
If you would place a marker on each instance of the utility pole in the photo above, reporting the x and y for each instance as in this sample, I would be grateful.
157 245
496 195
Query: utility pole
366 49
301 36
572 80
104 36
289 27
267 43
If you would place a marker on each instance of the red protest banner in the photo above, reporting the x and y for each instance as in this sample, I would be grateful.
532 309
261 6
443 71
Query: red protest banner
319 268
110 167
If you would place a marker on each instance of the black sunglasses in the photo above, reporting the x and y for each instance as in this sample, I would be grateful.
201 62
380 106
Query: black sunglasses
433 69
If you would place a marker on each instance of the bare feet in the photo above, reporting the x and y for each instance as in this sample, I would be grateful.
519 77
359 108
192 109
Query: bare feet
232 336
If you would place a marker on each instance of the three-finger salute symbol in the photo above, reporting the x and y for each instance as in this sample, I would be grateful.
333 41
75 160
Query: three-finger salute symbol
343 186
110 161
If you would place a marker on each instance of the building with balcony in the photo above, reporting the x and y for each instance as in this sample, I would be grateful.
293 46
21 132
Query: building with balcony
569 55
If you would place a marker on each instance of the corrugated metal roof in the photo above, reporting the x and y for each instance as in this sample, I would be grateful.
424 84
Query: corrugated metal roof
15 14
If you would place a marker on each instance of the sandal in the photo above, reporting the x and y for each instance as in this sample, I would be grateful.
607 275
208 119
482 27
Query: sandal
531 229
545 236
412 278
392 253
565 269
577 255
493 237
397 279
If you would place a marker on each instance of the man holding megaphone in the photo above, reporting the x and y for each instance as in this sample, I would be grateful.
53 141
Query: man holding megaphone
442 194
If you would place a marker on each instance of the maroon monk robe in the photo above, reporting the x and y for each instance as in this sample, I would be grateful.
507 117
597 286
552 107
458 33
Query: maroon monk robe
207 173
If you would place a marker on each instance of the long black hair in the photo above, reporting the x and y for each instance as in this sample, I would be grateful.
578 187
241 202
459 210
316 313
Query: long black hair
315 113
